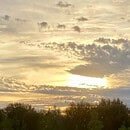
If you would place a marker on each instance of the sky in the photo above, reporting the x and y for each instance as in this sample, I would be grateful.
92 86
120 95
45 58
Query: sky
55 52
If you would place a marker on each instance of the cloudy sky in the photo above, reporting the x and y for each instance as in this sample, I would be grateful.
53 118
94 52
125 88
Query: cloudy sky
56 52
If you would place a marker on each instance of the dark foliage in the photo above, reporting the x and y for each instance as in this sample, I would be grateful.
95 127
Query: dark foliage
107 115
78 116
112 113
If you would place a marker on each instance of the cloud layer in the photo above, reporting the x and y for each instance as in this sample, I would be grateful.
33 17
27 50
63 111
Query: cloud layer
81 37
102 58
43 96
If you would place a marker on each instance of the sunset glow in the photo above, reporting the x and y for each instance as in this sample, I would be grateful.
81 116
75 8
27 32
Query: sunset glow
62 51
87 82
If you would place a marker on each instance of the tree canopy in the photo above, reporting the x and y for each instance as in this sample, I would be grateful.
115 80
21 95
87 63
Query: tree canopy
107 115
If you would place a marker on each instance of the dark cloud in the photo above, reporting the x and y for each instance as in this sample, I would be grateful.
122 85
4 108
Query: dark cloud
14 25
111 41
63 4
97 70
103 60
99 60
82 19
61 26
21 20
76 28
103 40
5 17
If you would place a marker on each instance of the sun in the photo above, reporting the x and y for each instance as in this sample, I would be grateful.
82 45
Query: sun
87 82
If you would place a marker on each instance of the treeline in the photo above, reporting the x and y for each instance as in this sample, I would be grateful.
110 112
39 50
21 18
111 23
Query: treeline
107 115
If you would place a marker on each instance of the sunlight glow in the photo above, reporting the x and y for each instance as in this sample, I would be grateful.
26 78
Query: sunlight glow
87 82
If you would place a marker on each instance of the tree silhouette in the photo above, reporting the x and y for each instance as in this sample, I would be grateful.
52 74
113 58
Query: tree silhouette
16 113
124 128
112 113
53 120
95 123
107 115
78 116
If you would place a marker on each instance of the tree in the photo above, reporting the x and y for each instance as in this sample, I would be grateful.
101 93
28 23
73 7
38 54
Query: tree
95 123
2 115
53 120
78 116
32 120
124 128
16 114
112 113
6 124
108 115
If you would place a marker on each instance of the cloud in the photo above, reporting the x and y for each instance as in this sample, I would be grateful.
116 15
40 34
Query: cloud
11 85
13 25
103 60
63 4
97 60
44 96
97 70
5 18
111 41
29 59
76 28
82 19
33 62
